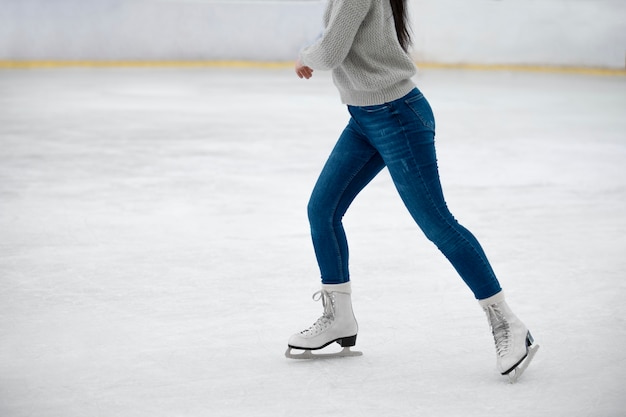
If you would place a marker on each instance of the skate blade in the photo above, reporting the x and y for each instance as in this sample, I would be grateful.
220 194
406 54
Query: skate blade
308 354
517 372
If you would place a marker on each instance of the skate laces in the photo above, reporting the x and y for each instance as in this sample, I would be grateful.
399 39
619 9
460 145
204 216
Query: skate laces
322 323
500 329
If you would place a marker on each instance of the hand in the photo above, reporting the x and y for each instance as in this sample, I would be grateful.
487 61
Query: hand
303 71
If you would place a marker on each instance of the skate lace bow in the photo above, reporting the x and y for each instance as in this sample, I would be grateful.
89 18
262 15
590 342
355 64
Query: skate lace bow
500 329
327 318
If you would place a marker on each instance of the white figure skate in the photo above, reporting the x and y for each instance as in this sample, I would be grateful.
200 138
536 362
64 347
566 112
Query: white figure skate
337 324
515 346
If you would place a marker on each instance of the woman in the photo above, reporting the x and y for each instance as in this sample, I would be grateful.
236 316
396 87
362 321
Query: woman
365 44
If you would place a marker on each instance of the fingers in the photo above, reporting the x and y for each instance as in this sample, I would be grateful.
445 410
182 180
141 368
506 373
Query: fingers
303 71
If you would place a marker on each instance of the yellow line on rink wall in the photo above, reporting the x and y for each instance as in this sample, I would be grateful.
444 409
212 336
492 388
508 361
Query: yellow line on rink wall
37 64
526 68
142 64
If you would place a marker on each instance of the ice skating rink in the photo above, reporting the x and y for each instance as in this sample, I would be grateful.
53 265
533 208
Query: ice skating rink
155 257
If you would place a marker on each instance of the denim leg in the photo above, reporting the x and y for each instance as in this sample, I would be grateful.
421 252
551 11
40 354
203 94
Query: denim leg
417 181
403 132
352 164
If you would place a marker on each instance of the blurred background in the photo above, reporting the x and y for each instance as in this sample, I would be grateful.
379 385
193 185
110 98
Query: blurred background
561 33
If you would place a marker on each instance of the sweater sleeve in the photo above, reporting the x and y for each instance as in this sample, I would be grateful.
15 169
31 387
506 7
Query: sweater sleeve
329 51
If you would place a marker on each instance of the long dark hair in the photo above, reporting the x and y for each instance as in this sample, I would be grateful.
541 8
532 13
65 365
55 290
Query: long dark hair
401 19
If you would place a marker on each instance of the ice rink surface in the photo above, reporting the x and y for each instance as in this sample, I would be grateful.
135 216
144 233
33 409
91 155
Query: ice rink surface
155 256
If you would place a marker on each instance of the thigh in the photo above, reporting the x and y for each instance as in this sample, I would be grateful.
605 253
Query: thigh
352 164
403 132
416 177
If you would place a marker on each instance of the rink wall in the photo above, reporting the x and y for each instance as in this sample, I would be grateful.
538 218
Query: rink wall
575 33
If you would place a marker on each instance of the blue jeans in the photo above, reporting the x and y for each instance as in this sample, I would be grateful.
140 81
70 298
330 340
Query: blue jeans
401 136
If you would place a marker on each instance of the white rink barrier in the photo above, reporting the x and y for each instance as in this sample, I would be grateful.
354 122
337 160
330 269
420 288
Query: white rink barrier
156 29
583 33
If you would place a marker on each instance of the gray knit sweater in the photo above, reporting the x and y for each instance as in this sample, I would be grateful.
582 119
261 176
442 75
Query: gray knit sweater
359 44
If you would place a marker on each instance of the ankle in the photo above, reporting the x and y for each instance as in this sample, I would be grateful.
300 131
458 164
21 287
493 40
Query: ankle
494 299
345 288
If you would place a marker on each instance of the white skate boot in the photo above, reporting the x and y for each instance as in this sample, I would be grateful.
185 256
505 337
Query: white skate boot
337 324
514 343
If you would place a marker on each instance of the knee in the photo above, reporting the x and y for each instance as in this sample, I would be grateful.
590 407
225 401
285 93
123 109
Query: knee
448 237
441 229
443 237
320 214
314 212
